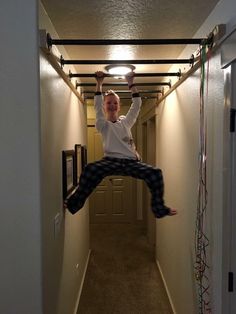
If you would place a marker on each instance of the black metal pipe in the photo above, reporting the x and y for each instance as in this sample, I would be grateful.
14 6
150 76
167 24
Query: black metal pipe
124 84
100 42
122 62
143 97
136 74
126 91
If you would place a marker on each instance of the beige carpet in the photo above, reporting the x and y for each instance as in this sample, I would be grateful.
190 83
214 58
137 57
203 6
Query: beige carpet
122 277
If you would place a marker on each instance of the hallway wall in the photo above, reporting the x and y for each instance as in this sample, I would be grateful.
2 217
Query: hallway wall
63 124
178 148
20 226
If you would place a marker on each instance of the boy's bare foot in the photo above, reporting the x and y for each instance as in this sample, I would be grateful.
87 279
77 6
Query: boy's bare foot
165 211
172 212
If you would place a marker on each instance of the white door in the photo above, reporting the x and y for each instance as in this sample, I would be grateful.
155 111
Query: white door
229 214
233 191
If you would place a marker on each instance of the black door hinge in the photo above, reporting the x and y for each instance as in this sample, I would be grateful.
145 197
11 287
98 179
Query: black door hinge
230 281
232 119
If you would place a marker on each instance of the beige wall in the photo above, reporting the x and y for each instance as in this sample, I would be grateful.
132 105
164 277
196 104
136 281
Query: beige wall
65 254
178 145
20 227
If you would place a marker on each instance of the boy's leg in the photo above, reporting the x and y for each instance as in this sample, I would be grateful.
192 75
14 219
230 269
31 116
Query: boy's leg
154 180
91 176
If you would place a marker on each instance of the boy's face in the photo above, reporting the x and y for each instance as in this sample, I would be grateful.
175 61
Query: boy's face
111 104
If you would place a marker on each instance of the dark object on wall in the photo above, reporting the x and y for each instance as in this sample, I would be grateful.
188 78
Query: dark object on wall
68 172
84 156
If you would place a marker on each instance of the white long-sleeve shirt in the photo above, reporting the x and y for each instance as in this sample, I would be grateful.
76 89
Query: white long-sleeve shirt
117 138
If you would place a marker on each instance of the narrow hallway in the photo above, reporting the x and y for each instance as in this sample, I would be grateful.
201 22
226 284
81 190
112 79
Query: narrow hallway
122 276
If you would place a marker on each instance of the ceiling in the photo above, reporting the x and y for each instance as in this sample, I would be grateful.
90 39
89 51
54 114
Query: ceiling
127 19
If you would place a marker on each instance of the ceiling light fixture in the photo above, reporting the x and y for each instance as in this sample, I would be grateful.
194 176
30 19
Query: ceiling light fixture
120 70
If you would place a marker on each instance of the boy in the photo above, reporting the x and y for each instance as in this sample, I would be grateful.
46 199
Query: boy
120 155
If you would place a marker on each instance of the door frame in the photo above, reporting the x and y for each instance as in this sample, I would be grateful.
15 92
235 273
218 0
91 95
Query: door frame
149 156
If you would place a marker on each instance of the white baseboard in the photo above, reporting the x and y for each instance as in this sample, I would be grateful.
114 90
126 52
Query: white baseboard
82 282
166 287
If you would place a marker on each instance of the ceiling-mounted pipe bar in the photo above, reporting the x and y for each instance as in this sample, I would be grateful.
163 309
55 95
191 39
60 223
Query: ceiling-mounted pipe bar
143 97
102 42
122 62
136 74
124 84
126 91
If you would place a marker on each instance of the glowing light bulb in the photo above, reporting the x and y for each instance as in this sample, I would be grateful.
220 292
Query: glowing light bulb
120 70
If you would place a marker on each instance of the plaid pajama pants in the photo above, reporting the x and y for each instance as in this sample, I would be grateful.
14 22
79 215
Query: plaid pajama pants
95 172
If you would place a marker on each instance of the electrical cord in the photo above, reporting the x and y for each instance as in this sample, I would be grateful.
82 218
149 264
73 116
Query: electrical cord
201 266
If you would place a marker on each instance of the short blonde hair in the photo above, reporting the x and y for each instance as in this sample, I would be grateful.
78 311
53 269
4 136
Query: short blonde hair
111 92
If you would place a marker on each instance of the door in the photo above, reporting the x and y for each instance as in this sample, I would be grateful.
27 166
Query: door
232 182
113 199
229 213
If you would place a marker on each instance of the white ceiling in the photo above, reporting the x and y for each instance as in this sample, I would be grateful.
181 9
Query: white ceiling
127 19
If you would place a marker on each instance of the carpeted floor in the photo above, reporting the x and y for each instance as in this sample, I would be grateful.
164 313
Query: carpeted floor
122 276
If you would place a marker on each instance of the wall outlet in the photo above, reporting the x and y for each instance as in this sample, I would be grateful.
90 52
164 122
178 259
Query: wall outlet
77 269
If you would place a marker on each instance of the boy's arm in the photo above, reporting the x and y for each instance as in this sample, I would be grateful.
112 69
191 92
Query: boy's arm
99 75
98 101
130 80
133 112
